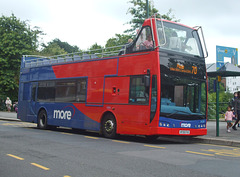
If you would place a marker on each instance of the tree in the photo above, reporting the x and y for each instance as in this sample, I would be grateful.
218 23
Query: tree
64 45
57 47
224 98
52 49
116 42
95 47
119 39
17 39
139 13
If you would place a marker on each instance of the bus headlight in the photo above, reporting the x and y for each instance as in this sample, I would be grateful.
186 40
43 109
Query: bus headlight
164 124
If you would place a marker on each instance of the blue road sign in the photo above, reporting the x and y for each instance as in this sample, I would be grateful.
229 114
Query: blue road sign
229 52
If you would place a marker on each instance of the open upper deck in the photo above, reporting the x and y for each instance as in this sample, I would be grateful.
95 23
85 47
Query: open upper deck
169 36
30 61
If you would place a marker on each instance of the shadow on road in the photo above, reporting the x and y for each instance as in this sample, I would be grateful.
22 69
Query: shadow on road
128 138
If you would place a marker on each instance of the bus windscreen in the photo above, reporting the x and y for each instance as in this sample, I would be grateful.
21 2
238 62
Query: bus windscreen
179 38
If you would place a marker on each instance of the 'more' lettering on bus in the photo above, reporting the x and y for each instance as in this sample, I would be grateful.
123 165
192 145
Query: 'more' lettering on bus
155 85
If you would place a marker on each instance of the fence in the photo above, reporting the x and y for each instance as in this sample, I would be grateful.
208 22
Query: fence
30 61
212 109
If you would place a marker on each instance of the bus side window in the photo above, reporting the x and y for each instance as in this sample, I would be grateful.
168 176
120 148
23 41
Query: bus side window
140 40
139 94
33 96
26 91
81 90
46 91
143 42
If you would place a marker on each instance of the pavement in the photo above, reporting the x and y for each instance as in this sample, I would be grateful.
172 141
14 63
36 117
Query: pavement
224 138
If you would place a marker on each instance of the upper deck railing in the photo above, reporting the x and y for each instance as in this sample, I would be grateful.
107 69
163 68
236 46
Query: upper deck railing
30 61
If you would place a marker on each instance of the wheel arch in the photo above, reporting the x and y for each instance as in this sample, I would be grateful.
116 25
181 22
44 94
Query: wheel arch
40 109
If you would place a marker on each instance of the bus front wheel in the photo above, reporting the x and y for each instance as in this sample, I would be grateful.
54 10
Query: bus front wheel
109 126
42 120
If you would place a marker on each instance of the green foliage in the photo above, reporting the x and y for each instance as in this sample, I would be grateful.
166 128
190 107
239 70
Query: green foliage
63 45
116 43
17 39
139 13
57 47
119 39
53 49
95 47
224 99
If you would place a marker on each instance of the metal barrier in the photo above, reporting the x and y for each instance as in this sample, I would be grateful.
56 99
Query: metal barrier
30 61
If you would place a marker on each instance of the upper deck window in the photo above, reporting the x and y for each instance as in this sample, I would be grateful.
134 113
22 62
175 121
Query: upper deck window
144 40
179 38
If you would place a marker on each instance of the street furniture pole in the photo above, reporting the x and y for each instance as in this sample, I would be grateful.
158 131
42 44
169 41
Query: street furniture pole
218 79
147 9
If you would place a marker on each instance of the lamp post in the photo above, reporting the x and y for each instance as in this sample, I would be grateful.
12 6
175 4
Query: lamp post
147 6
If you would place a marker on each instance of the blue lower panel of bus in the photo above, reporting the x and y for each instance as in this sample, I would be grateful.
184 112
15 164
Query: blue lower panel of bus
174 123
60 114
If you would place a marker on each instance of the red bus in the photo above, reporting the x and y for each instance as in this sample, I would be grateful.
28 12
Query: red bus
155 85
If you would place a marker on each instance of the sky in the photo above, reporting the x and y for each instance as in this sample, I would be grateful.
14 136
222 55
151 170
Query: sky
84 23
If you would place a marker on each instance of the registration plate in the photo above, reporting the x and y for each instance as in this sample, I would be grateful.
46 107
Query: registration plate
184 132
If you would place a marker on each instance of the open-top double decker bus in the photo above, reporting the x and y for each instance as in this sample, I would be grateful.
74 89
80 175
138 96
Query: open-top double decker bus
155 85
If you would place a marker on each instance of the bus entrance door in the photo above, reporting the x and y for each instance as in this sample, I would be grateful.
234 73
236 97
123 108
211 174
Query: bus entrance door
33 100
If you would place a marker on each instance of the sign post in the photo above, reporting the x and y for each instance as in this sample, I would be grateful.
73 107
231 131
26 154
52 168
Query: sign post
218 79
221 53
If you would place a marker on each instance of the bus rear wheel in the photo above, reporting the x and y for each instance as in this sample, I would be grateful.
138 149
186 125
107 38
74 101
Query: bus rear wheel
42 120
109 126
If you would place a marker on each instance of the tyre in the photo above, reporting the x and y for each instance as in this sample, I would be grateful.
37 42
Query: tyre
42 120
109 126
